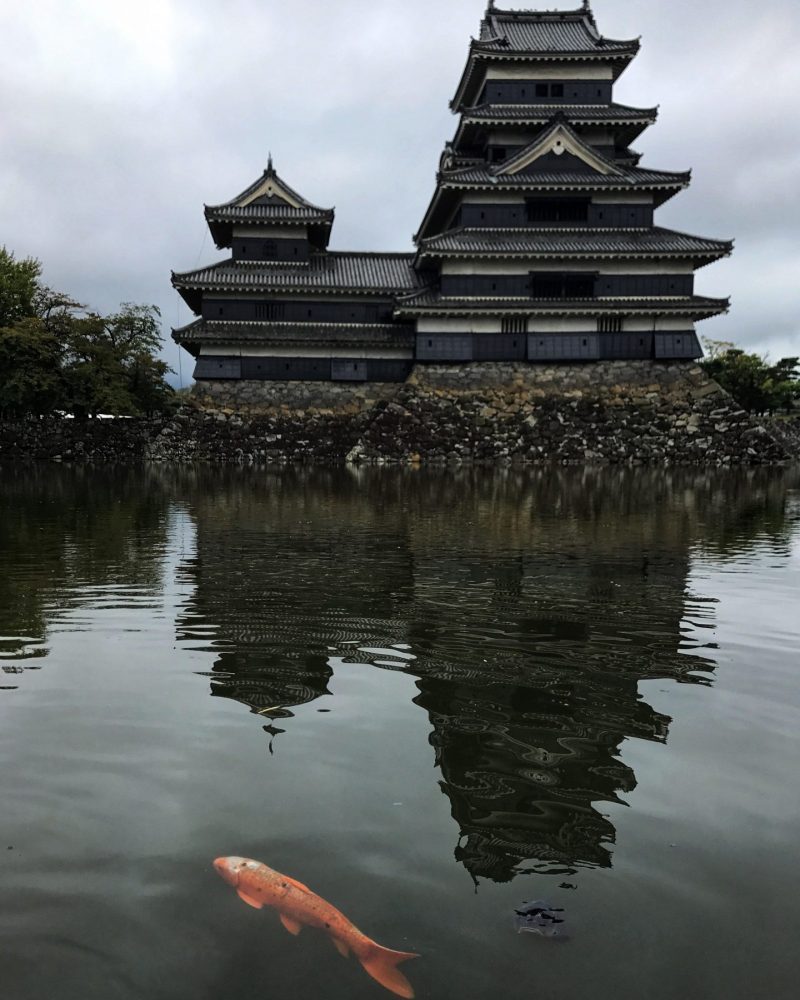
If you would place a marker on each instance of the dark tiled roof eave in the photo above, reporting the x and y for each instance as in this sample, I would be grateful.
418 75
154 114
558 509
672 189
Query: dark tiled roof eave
278 214
630 177
269 173
335 272
379 334
556 32
434 304
574 242
536 113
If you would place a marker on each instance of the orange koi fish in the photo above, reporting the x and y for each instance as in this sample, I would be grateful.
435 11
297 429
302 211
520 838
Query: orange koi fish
259 886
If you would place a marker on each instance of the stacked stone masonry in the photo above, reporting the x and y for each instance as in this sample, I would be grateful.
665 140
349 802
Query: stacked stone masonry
640 413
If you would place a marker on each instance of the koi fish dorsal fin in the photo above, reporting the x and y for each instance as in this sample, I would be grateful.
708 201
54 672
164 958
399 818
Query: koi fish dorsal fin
291 925
255 903
296 884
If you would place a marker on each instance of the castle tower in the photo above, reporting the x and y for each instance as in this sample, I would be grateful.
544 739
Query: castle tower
540 242
285 308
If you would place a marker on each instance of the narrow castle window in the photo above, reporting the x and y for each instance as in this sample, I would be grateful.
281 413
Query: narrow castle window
610 324
514 324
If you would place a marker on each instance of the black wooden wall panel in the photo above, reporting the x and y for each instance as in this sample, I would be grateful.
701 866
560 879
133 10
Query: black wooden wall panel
260 248
524 92
678 345
304 369
218 367
609 285
499 347
444 346
563 347
601 216
645 284
297 311
388 369
487 285
286 369
476 216
608 216
616 346
349 370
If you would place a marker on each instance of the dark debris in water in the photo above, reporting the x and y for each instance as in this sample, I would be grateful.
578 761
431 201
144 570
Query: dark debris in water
540 918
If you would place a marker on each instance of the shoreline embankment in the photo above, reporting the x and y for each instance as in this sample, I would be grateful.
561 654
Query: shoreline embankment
611 413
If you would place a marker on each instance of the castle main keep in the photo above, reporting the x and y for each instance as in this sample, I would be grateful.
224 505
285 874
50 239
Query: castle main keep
540 243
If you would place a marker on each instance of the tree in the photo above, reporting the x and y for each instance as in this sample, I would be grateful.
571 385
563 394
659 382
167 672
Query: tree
30 376
754 383
55 355
19 283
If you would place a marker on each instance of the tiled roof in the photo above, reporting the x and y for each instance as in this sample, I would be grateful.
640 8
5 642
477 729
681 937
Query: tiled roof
211 331
536 114
539 242
428 301
336 271
270 174
630 177
546 32
277 212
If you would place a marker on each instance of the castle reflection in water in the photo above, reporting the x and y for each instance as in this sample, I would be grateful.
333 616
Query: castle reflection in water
533 603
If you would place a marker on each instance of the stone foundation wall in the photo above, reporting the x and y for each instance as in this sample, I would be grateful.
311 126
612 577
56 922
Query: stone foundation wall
640 413
260 397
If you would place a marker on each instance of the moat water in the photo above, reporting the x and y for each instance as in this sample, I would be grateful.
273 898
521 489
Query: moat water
430 698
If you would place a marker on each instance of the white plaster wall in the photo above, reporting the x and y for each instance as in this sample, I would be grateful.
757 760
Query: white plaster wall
473 266
296 232
502 197
267 351
469 324
549 71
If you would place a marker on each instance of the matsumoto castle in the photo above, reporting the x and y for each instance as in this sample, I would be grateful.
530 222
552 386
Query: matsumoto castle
539 243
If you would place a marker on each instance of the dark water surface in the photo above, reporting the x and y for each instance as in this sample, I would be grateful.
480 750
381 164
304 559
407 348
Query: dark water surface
429 697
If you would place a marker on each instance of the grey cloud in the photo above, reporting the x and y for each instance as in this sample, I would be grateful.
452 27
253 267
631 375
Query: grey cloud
118 121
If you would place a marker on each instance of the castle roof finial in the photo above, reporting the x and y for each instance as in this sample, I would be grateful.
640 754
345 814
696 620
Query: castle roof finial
270 167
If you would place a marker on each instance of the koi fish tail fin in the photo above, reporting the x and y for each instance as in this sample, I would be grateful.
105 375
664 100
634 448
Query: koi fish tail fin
381 964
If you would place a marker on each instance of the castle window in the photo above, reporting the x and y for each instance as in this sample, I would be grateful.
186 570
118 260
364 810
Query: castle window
270 249
557 90
514 324
553 285
270 310
610 324
541 90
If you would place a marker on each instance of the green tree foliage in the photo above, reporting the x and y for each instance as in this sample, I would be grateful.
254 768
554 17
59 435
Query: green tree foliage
56 356
755 383
19 285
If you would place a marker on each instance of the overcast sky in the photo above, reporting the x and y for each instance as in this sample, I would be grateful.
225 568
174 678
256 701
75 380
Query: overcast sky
119 119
